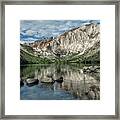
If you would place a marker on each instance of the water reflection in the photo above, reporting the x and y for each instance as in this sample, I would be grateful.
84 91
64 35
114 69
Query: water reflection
43 82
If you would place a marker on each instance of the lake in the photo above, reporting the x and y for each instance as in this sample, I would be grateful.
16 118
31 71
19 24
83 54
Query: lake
76 84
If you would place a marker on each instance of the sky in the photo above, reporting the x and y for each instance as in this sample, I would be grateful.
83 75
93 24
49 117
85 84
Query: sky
32 30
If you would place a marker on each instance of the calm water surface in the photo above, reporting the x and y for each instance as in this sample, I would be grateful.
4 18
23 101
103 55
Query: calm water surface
76 84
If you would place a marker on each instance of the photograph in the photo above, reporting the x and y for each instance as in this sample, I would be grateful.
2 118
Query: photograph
60 54
59 59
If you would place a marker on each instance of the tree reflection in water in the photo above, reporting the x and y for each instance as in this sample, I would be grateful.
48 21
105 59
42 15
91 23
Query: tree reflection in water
76 84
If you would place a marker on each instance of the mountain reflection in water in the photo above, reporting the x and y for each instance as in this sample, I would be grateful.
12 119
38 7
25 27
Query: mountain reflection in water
76 84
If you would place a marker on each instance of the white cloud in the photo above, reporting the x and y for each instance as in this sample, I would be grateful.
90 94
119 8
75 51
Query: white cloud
37 29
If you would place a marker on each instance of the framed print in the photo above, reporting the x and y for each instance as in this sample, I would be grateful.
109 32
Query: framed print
60 59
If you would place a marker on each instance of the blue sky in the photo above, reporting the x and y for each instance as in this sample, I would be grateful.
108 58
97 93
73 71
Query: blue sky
32 30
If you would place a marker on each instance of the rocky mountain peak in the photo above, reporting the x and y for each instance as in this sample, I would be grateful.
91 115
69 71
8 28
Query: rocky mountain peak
76 40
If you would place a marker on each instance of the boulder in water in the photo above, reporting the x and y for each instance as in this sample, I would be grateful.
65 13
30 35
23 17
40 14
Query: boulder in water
91 69
21 83
32 82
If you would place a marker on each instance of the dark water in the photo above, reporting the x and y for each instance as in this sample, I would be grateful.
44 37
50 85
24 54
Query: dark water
76 84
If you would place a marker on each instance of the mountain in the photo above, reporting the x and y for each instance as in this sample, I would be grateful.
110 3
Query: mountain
76 45
27 56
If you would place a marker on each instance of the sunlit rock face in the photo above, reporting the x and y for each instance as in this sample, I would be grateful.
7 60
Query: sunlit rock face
77 40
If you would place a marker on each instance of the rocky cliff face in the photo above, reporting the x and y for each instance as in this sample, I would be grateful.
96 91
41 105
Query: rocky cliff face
77 40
